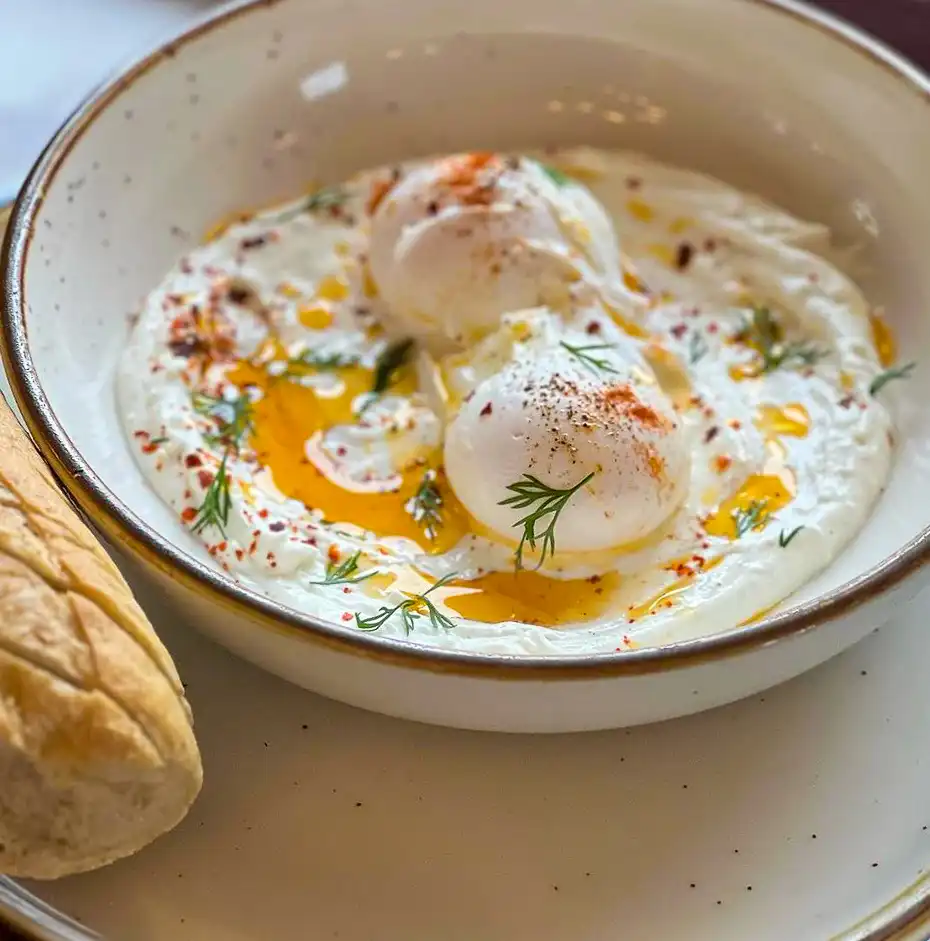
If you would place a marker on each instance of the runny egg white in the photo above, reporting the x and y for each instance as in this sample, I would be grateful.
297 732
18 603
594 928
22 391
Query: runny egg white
555 403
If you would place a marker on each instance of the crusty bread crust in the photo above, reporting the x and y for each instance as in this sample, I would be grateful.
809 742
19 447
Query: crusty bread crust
97 751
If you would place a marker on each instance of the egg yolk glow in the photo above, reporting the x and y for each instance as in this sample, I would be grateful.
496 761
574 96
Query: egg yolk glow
508 596
288 415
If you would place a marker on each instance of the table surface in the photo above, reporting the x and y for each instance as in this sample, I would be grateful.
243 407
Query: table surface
53 51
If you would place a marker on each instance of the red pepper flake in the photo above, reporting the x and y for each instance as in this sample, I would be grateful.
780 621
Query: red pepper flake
486 410
205 478
593 327
735 424
342 451
346 615
188 494
188 514
633 182
276 527
193 460
711 433
683 255
253 546
679 330
713 327
722 463
150 448
140 434
240 554
708 412
699 560
256 241
681 569
346 590
263 514
333 553
222 546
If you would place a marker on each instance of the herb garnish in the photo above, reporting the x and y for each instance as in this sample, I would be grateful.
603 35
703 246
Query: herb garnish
763 334
329 197
889 375
594 363
314 361
217 502
784 537
233 417
697 348
234 422
343 573
748 518
559 177
391 359
409 610
425 506
550 500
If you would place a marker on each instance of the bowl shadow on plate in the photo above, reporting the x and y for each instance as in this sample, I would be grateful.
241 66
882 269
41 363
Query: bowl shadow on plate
440 827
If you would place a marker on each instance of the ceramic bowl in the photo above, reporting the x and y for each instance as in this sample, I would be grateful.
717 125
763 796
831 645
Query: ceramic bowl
250 104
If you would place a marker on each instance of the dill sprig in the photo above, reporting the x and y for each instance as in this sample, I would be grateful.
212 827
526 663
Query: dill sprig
785 537
748 518
233 418
410 611
310 361
550 501
697 347
217 502
344 573
559 177
594 363
425 506
390 360
329 197
764 334
890 375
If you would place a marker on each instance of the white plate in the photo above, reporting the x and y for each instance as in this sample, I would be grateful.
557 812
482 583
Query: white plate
789 817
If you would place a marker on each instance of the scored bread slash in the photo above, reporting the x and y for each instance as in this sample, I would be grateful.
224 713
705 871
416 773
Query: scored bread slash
97 749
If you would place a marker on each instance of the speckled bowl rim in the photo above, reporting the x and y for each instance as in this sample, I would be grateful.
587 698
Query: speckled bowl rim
126 530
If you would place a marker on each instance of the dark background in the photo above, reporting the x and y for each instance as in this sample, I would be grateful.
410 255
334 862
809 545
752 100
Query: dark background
904 24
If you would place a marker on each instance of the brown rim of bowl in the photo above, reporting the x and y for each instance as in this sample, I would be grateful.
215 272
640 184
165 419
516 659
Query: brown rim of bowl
124 528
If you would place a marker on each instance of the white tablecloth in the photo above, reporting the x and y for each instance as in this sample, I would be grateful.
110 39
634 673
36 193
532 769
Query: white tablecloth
52 52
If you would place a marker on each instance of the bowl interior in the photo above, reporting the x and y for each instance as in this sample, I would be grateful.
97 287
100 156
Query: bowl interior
274 96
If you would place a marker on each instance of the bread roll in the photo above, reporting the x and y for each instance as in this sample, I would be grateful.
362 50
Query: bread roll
97 750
